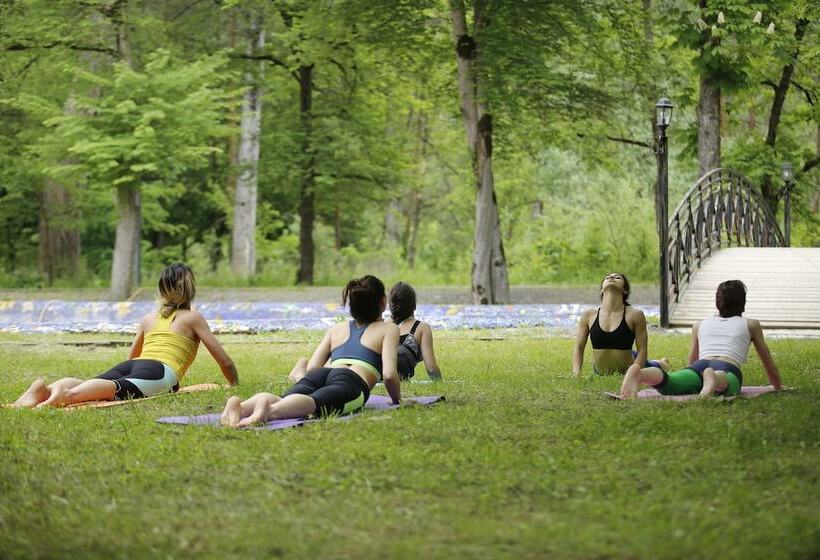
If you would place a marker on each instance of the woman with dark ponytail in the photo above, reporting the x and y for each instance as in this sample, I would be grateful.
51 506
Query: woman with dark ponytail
360 352
415 337
163 350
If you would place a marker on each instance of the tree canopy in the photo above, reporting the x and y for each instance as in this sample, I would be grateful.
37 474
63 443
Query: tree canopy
118 110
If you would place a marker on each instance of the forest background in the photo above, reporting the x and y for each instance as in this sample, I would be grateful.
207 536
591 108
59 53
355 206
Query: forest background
286 141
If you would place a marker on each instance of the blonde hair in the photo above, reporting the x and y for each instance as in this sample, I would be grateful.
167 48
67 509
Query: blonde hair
177 288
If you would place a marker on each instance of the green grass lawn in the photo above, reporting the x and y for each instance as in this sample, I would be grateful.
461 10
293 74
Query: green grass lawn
522 461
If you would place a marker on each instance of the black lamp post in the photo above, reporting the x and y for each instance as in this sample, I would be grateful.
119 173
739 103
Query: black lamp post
787 173
663 110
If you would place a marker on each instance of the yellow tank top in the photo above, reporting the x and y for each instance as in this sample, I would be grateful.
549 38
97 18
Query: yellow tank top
168 347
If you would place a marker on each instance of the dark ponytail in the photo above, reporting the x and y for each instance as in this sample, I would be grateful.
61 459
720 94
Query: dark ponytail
365 296
402 302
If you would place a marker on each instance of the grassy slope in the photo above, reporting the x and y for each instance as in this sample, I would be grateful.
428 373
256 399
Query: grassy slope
521 462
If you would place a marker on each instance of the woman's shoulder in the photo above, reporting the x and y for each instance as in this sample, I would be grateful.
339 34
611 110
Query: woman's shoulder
589 313
189 315
635 314
424 326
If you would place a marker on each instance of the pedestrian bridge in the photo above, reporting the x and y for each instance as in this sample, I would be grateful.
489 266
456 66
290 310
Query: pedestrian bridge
723 230
783 286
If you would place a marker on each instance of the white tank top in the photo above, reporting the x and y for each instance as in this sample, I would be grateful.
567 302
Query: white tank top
724 336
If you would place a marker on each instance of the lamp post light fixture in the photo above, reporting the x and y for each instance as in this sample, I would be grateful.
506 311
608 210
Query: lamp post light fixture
663 110
787 174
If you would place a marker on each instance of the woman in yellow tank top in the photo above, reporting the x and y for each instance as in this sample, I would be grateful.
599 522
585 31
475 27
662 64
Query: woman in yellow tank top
163 350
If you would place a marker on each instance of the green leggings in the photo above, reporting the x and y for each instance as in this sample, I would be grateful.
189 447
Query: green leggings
687 382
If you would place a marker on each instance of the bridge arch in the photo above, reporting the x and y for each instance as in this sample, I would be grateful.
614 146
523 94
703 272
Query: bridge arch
722 209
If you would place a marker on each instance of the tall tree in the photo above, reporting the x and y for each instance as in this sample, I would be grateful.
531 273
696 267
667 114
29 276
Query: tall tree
490 283
243 244
125 268
771 193
307 182
140 136
709 97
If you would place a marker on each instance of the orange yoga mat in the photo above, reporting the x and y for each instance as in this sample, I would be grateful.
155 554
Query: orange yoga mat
102 404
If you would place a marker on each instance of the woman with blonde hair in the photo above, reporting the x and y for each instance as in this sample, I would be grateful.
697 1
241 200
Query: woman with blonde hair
163 349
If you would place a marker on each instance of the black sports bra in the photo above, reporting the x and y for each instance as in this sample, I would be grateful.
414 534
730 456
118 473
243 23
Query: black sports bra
408 341
621 338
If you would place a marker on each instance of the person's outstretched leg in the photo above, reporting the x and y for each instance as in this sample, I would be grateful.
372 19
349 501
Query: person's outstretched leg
91 390
39 394
635 376
298 371
291 406
236 410
34 395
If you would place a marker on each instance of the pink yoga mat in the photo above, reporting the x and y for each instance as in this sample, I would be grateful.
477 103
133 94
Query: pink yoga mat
377 402
651 394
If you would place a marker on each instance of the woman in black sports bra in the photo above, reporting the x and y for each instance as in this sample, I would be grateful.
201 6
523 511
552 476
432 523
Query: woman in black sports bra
415 337
613 328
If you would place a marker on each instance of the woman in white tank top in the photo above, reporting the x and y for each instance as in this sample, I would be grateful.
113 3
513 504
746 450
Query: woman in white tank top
720 346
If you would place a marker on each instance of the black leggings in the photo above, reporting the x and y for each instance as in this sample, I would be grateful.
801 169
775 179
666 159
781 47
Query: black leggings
136 379
335 390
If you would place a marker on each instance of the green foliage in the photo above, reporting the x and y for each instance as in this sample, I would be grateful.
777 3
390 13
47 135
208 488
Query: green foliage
145 128
570 86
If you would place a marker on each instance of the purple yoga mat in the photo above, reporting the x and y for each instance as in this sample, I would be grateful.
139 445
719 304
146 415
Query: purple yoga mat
377 402
651 394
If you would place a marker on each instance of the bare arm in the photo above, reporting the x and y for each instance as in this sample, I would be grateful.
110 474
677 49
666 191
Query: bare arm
581 336
321 354
694 349
427 352
641 339
756 332
203 331
390 373
136 346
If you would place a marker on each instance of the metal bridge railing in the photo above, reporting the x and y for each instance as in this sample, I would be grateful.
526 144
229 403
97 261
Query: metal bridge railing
722 209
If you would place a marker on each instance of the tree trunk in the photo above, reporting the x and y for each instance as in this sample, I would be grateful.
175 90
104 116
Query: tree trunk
415 198
651 100
708 125
307 209
413 220
234 120
127 240
815 203
59 238
125 266
771 193
708 114
489 271
243 240
392 227
337 228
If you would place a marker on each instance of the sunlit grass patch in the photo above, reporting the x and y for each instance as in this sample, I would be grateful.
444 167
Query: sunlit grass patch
521 461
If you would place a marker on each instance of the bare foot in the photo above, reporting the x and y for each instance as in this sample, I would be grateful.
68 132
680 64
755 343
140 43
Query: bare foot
232 413
259 415
252 420
57 397
664 364
627 394
34 395
298 371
